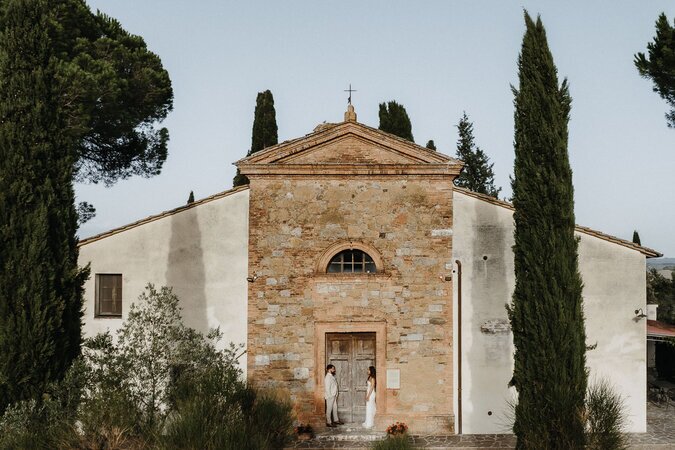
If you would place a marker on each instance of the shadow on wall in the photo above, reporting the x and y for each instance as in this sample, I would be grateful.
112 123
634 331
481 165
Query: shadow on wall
489 355
185 269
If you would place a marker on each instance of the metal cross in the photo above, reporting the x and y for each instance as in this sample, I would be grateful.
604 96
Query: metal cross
350 90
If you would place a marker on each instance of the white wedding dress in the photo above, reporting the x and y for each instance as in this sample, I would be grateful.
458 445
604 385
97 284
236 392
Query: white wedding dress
371 408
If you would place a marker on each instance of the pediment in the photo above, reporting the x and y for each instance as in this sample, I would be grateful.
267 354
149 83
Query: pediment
348 147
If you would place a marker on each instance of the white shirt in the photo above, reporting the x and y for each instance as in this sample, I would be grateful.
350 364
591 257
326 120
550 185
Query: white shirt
330 386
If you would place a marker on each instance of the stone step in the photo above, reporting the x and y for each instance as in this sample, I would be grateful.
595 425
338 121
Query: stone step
351 433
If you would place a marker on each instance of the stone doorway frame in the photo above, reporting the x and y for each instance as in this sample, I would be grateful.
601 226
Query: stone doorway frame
323 328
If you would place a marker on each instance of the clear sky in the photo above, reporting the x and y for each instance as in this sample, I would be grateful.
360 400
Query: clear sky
437 58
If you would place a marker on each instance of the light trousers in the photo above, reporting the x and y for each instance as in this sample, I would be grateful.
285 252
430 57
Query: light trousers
331 407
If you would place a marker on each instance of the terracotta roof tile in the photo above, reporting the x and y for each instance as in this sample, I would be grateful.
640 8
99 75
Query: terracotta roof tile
660 329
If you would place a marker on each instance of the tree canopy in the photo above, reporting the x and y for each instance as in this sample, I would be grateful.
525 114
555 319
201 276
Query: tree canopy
546 311
264 133
394 119
659 64
113 91
661 291
80 98
431 145
477 174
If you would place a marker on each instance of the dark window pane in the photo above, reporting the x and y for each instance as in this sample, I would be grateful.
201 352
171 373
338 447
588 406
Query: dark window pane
109 289
351 261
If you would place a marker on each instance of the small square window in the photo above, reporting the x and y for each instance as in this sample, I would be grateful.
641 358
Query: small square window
108 295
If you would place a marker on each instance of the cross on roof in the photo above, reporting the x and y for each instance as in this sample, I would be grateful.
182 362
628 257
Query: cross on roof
350 90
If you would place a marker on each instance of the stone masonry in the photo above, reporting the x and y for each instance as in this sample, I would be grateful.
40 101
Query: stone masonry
405 222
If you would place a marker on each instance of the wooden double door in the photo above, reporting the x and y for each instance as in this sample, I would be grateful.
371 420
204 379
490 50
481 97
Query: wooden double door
351 354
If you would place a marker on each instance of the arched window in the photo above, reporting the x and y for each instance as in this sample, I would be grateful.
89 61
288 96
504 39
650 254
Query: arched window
351 261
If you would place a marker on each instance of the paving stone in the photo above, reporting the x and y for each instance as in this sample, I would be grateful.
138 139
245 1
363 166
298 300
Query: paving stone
660 435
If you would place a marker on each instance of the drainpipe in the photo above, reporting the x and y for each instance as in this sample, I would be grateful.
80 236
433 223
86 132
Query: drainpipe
459 346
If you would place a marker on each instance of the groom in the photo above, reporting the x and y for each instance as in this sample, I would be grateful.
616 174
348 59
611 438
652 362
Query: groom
330 394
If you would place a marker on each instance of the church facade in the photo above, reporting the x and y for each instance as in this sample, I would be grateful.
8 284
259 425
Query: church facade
352 247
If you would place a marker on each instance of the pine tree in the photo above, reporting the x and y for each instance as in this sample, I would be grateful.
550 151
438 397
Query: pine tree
636 238
477 174
264 130
660 67
394 119
191 198
546 313
431 145
114 93
40 284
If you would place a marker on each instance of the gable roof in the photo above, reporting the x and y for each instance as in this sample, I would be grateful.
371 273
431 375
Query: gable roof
161 215
370 152
648 252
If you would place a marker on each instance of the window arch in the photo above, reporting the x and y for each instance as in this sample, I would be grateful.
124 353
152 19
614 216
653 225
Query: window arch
351 261
350 258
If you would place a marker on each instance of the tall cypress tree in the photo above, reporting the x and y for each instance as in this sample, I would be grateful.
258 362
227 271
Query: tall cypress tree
394 119
264 129
477 174
636 238
546 313
40 284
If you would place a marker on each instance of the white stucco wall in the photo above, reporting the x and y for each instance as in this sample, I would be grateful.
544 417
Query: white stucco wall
202 252
614 286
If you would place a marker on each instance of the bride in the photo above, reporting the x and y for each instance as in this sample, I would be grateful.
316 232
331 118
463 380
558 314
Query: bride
370 398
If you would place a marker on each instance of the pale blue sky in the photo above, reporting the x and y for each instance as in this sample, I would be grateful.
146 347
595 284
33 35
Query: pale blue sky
437 58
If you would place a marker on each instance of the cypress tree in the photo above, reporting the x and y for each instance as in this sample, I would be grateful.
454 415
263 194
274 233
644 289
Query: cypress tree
394 119
477 174
191 198
636 238
431 145
40 284
546 312
264 129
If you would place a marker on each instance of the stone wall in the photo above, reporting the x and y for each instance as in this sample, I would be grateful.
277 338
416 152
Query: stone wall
407 221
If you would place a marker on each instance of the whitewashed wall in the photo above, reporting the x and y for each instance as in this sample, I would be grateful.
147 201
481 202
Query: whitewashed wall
614 286
202 252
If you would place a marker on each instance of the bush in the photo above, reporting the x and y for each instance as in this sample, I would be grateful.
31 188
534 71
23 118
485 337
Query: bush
214 409
272 416
393 443
47 422
603 415
160 384
605 418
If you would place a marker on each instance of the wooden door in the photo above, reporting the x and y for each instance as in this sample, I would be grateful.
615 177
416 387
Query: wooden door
351 354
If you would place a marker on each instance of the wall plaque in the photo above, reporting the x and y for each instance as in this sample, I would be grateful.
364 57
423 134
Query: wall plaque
393 379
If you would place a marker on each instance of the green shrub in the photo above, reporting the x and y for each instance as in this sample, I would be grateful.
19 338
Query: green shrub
605 418
160 384
393 443
214 409
272 418
47 422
